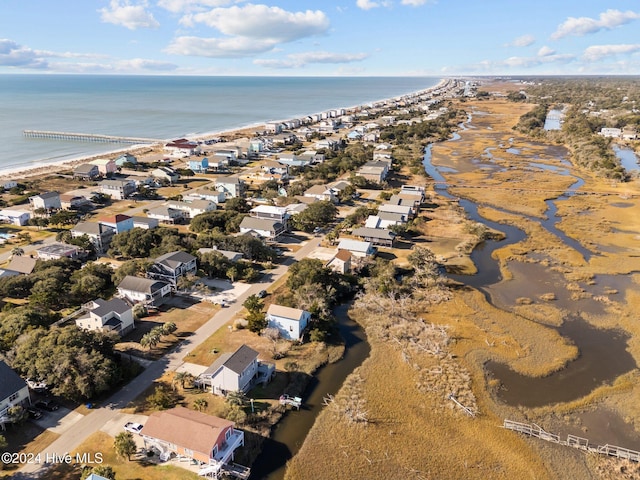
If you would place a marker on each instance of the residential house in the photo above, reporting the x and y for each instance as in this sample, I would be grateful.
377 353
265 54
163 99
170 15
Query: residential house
86 171
384 220
144 290
106 166
118 189
228 254
322 192
227 155
47 200
357 248
165 173
55 251
406 199
611 132
145 223
271 167
384 155
290 322
628 133
273 127
13 391
173 265
326 144
377 236
99 234
75 202
292 160
237 371
303 199
406 210
374 172
22 264
271 212
119 222
182 148
126 158
205 194
192 208
218 164
199 165
232 186
202 438
9 184
341 262
262 227
167 215
413 190
15 217
114 315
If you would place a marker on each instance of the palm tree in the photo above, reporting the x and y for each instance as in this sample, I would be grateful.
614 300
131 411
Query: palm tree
182 378
17 252
168 328
200 404
149 340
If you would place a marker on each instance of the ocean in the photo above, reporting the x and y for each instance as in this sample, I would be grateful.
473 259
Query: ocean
164 107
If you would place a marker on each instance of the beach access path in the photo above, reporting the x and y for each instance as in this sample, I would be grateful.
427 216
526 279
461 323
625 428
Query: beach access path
94 421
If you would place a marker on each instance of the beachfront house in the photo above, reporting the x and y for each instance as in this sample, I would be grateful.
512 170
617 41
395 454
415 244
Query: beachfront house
205 439
173 265
106 166
114 315
181 148
9 184
118 189
290 322
126 159
13 391
47 200
144 290
86 171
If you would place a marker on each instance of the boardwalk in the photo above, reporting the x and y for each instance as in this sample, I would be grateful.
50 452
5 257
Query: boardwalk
88 137
534 430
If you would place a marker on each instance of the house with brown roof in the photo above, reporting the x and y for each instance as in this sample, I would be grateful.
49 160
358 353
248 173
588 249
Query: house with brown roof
341 262
22 264
209 440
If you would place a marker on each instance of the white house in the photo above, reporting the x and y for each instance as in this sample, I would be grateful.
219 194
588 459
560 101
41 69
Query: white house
263 227
232 186
144 290
13 390
231 372
357 247
16 217
165 173
192 208
290 322
118 189
164 214
114 315
48 200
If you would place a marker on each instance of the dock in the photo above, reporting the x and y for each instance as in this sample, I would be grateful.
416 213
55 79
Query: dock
88 137
572 441
295 402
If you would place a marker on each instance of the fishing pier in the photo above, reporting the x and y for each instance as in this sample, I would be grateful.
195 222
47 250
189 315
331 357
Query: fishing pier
88 137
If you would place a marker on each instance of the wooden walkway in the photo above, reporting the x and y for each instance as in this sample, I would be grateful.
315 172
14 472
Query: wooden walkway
88 137
534 430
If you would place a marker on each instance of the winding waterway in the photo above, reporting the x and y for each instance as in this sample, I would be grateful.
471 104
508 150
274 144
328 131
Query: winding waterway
289 434
603 355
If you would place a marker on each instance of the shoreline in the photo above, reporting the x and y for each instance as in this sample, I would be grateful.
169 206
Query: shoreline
27 172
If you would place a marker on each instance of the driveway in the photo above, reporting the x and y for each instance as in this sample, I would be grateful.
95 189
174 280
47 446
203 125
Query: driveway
115 425
226 291
58 421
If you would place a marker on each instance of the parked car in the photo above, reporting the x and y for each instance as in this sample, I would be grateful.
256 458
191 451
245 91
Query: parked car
33 412
48 405
133 427
262 293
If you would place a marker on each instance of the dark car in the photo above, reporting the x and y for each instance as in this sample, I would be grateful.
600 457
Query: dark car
48 405
33 412
262 293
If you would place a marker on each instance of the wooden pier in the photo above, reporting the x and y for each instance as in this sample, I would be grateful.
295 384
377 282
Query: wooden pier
88 137
534 430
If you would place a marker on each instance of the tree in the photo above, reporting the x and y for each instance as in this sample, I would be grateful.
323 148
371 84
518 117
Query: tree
17 252
161 398
232 273
200 404
182 378
150 340
253 303
256 321
105 471
317 214
125 445
168 328
185 282
236 397
237 204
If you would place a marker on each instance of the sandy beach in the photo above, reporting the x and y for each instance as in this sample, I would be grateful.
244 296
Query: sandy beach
153 150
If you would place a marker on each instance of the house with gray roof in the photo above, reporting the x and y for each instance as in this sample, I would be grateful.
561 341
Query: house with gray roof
47 200
290 322
99 234
377 236
262 227
86 171
237 371
144 290
114 315
22 264
118 189
13 391
173 265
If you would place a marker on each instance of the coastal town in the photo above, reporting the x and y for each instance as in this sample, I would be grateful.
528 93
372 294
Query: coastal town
452 271
180 258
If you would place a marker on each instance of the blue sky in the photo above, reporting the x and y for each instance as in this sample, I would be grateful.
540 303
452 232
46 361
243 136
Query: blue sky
328 37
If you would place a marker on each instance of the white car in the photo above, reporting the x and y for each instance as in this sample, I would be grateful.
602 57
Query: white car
133 427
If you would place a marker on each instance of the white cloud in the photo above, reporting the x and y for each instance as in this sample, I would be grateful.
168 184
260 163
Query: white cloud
13 54
416 3
522 41
177 6
297 60
598 52
367 4
121 12
263 22
545 51
219 47
585 25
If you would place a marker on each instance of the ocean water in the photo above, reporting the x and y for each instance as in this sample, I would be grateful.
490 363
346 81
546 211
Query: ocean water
164 107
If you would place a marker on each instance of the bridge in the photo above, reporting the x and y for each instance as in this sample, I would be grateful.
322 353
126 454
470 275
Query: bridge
88 137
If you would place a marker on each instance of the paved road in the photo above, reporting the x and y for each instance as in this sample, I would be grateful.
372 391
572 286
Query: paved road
97 418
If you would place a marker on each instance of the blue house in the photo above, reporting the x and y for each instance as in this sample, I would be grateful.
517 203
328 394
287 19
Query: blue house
199 165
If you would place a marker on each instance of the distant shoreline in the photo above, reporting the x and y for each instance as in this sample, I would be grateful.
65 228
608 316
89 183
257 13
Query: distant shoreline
25 172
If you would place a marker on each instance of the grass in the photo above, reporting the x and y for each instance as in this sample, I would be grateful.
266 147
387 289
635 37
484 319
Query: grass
26 438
